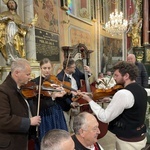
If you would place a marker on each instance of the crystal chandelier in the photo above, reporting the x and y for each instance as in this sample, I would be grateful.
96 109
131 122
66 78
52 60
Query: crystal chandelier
117 25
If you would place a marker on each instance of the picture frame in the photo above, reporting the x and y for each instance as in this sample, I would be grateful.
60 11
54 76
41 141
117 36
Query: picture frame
64 4
102 12
111 52
93 10
47 45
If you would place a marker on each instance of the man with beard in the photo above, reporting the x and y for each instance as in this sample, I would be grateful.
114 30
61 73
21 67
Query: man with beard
86 129
72 74
126 111
12 33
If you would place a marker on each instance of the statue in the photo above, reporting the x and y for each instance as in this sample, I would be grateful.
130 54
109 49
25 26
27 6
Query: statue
12 33
135 33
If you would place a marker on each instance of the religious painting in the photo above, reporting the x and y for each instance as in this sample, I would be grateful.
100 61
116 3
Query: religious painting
110 52
64 4
47 11
78 35
107 7
84 9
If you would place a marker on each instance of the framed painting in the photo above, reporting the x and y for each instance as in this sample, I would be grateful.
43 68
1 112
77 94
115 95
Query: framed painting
110 52
102 11
64 4
93 10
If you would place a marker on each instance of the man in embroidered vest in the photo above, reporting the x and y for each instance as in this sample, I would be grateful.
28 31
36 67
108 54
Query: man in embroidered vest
86 129
126 111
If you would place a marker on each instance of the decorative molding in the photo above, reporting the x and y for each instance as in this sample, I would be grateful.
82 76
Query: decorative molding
93 10
64 4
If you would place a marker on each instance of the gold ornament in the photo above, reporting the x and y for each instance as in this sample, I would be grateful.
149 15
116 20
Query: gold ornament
34 20
5 1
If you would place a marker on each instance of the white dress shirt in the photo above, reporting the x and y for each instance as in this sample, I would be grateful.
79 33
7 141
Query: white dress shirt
93 148
123 99
73 81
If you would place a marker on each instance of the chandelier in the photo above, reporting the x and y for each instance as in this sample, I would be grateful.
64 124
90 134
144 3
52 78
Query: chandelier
117 25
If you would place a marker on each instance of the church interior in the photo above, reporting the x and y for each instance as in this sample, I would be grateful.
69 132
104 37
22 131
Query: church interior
101 31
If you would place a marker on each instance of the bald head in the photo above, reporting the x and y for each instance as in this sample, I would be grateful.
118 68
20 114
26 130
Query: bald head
131 58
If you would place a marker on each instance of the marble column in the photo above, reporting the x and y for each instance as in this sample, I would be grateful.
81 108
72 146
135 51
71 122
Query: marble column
30 38
145 22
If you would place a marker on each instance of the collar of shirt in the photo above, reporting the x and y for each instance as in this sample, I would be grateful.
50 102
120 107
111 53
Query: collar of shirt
73 81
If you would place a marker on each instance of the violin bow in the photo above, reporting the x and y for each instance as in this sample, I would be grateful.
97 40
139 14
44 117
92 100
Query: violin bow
110 79
39 98
66 67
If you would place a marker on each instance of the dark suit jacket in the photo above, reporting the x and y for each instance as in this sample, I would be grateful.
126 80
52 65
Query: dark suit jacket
79 146
142 78
78 76
14 117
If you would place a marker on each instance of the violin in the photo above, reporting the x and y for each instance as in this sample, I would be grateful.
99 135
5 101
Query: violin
65 84
101 93
30 90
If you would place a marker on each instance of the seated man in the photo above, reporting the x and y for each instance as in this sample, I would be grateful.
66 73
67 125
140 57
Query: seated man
106 82
57 139
86 129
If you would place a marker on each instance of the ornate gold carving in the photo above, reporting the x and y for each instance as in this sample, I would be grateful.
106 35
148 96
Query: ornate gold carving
34 20
135 34
139 55
5 1
84 13
148 55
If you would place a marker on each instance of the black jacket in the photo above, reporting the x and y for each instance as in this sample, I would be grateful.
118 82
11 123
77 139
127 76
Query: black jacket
142 78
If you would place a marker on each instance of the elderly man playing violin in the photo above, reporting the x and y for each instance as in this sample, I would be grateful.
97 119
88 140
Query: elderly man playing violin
51 109
15 115
126 111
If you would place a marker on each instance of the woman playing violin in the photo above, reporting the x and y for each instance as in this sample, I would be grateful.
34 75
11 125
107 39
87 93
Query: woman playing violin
51 113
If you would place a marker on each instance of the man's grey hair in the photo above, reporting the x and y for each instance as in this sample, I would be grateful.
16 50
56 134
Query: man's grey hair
80 122
54 139
19 64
